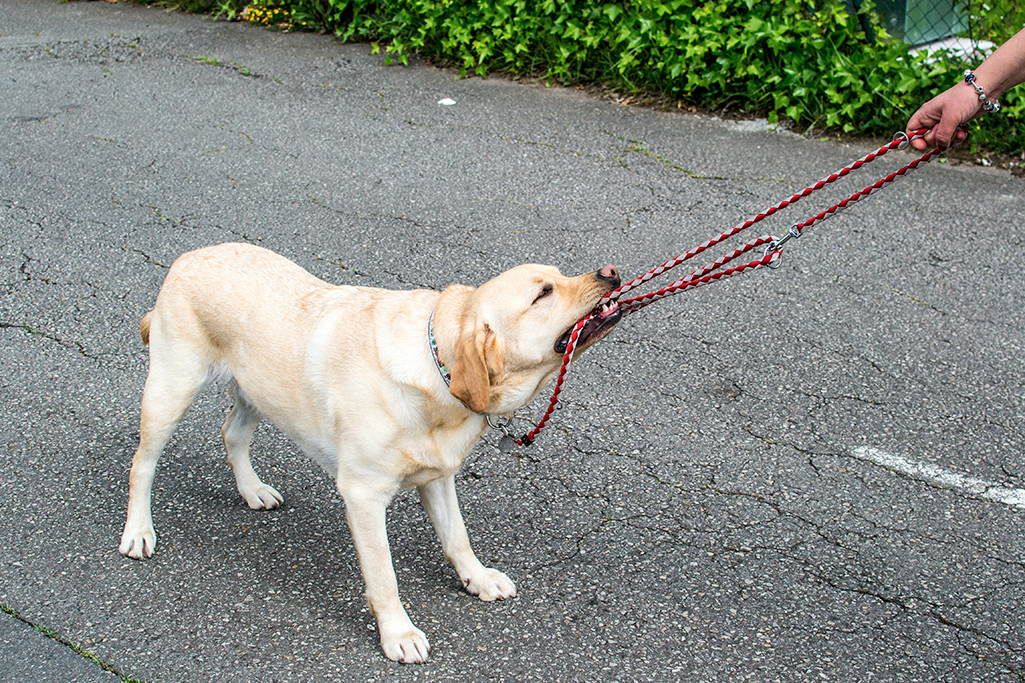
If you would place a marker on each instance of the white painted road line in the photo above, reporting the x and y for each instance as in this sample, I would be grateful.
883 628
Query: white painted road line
938 476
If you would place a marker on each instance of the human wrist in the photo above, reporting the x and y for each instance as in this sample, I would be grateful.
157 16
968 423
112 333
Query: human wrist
1005 68
988 98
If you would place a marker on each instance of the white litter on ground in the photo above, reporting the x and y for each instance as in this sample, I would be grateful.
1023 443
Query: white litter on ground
762 126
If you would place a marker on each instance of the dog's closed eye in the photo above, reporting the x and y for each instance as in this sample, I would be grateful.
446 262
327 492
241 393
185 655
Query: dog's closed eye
545 291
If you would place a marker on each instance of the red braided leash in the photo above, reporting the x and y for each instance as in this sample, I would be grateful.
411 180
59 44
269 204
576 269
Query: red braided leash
715 271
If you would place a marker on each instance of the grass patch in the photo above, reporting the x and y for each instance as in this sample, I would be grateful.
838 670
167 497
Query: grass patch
240 69
77 649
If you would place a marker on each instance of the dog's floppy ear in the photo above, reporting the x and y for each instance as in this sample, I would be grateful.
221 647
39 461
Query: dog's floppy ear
470 381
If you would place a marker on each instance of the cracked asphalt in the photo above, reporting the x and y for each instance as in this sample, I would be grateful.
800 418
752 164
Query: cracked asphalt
701 509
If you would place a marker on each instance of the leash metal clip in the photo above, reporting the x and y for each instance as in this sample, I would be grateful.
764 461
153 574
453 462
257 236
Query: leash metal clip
508 442
777 245
504 428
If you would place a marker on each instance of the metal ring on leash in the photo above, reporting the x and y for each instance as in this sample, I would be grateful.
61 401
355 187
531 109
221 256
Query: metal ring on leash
500 427
509 440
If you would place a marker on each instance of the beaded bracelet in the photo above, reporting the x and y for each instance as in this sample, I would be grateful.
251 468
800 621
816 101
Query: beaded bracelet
991 106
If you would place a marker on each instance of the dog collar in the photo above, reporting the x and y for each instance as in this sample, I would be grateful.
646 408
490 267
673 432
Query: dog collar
445 374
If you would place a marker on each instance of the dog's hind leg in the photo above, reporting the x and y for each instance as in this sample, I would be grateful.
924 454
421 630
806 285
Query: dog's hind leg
170 387
237 433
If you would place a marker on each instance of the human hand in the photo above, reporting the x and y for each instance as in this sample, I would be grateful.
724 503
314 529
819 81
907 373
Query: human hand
944 114
1002 70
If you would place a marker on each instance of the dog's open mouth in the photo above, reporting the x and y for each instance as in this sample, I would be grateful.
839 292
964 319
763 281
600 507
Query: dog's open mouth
598 325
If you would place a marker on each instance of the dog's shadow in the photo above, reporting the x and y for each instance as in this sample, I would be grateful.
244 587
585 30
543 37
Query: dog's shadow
301 552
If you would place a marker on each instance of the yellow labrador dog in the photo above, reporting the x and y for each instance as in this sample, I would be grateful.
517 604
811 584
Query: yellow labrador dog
383 389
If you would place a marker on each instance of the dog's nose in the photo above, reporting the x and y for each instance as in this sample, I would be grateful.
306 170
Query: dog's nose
609 274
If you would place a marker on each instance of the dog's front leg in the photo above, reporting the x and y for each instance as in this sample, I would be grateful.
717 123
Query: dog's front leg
442 505
365 512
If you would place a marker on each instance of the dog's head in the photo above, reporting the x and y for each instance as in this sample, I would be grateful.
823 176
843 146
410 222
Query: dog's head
514 330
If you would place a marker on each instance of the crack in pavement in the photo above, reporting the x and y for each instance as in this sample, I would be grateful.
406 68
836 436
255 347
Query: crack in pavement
75 346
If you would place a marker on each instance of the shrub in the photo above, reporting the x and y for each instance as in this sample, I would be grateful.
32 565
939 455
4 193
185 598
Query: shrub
812 64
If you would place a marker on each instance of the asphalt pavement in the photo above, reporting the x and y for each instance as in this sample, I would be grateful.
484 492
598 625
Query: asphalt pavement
815 473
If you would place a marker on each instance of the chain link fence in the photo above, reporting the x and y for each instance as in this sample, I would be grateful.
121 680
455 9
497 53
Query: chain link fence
923 21
918 22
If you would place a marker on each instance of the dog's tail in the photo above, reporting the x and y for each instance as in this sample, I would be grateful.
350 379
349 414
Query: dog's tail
144 327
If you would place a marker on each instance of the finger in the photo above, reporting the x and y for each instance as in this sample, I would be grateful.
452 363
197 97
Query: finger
925 142
926 117
923 118
944 132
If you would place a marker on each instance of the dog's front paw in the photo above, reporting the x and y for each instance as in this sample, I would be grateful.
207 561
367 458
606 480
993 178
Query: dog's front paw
405 645
138 544
490 584
261 497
